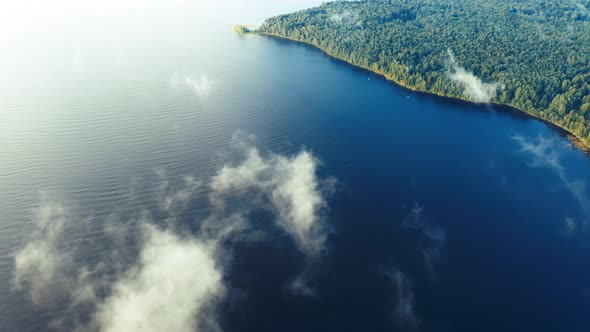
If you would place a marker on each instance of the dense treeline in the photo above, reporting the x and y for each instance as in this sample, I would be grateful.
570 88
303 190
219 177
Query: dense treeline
539 51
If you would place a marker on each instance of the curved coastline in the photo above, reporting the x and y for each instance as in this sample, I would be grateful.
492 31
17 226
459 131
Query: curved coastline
576 140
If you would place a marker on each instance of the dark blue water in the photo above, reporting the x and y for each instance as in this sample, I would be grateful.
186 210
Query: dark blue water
444 216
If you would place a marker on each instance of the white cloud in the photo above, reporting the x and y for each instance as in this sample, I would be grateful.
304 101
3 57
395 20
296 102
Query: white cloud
348 17
152 279
173 282
40 265
297 199
473 88
201 86
339 17
288 186
292 186
250 173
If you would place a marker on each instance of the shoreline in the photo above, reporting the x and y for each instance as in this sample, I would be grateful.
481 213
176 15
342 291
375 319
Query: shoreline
576 140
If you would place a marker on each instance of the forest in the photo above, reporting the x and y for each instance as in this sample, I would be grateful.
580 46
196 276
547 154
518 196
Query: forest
530 54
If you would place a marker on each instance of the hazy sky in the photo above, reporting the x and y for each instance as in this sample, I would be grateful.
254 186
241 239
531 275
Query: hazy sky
44 41
32 31
20 19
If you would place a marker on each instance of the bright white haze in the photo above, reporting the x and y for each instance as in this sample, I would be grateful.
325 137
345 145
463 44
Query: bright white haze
30 27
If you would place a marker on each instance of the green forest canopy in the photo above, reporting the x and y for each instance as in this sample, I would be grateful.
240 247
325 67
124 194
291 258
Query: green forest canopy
530 54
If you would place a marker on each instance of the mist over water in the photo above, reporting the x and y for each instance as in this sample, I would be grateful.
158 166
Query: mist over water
151 161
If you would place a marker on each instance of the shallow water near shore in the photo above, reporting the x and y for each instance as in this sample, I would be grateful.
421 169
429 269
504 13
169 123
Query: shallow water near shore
444 215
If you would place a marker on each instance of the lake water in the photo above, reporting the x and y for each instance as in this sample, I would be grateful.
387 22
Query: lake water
442 215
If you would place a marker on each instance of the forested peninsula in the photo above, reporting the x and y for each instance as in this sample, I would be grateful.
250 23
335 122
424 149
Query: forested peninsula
532 55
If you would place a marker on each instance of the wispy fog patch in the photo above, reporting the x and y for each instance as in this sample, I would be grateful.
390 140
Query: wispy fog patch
286 185
173 282
404 303
200 86
570 226
545 153
339 17
473 88
434 237
577 229
291 185
175 197
346 17
39 266
148 273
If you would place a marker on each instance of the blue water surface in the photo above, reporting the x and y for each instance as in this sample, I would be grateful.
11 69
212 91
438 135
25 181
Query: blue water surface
444 215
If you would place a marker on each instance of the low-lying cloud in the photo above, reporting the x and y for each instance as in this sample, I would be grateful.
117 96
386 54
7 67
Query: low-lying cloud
147 274
172 285
169 289
291 185
40 265
473 87
201 86
347 17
